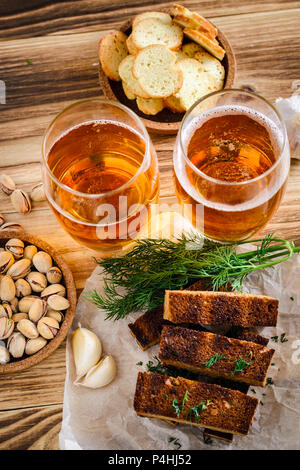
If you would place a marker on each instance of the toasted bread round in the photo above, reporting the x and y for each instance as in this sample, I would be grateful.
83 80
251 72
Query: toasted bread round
112 50
191 48
132 85
130 46
127 91
150 106
196 82
164 17
153 31
190 19
174 104
213 66
154 68
210 45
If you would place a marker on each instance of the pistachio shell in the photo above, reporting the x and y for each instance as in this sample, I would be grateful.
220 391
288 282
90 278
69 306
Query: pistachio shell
7 184
6 261
4 355
27 328
16 345
7 289
21 201
19 316
38 193
30 251
16 247
58 316
42 261
58 303
2 220
23 288
26 302
14 226
35 345
54 275
19 269
14 303
37 310
53 289
37 281
6 327
48 327
5 310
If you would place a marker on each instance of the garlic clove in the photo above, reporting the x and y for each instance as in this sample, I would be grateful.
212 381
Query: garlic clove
87 350
101 374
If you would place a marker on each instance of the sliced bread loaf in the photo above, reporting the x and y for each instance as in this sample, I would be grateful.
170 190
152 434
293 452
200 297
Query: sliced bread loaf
190 19
190 49
210 45
127 91
213 66
130 46
132 85
164 17
153 31
112 50
174 104
150 106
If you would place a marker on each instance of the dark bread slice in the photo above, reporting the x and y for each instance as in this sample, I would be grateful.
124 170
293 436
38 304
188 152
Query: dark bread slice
184 348
246 334
220 308
226 410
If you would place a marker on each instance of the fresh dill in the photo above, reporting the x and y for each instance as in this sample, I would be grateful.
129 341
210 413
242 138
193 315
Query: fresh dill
253 390
29 62
240 364
283 339
269 381
138 280
213 360
196 410
185 399
207 439
274 338
175 441
139 363
157 367
176 407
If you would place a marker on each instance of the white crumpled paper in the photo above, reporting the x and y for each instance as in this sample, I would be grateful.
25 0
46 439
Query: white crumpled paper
105 419
289 109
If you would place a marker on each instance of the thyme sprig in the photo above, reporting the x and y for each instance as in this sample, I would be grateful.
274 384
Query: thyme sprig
138 280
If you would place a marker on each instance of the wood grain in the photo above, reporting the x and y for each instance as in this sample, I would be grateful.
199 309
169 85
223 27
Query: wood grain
61 39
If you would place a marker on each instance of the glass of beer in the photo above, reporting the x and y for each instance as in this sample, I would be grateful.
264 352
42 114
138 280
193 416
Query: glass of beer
100 173
231 163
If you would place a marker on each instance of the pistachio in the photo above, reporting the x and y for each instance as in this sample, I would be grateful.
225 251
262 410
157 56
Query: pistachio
19 269
37 310
53 289
6 327
48 327
7 184
30 251
23 288
35 345
38 193
15 247
58 316
37 281
16 345
21 201
57 302
7 289
4 355
54 275
26 302
27 328
42 261
14 226
5 311
14 303
2 220
19 316
6 261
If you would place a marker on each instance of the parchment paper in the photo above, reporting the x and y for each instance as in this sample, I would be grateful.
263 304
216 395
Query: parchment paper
105 419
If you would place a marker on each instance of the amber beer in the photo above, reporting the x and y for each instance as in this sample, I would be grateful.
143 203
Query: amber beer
228 173
102 182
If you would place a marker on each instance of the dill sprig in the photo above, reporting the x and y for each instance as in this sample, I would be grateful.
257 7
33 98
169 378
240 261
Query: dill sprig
138 280
240 364
213 360
156 366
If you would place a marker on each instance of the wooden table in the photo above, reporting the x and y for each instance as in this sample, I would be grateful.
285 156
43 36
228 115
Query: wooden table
61 40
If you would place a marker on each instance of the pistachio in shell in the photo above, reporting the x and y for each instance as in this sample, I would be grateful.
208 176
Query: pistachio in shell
7 289
21 201
26 302
19 316
37 310
48 327
30 251
38 193
19 269
7 184
6 261
54 275
16 345
27 328
14 303
53 289
35 345
57 302
16 247
42 261
6 327
37 281
11 226
23 288
5 310
58 316
2 220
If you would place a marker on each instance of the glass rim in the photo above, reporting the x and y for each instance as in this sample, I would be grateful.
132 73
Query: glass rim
233 183
124 108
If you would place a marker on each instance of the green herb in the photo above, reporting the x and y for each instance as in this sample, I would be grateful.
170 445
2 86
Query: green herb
176 407
283 339
207 439
139 363
292 298
155 265
269 381
272 363
167 397
261 402
253 390
185 399
195 411
157 367
274 338
241 364
175 442
213 360
29 62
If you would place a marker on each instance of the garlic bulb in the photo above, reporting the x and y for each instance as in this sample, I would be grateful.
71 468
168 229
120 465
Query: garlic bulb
101 374
87 350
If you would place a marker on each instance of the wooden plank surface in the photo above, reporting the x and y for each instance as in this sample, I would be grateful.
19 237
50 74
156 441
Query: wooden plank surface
61 39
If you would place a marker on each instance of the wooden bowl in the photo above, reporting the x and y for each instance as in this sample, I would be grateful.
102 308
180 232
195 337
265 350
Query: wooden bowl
68 281
165 122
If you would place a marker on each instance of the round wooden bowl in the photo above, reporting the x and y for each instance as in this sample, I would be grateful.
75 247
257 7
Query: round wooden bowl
165 122
20 364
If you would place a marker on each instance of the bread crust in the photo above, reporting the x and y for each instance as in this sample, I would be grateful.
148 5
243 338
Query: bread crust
112 48
197 20
147 25
210 45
